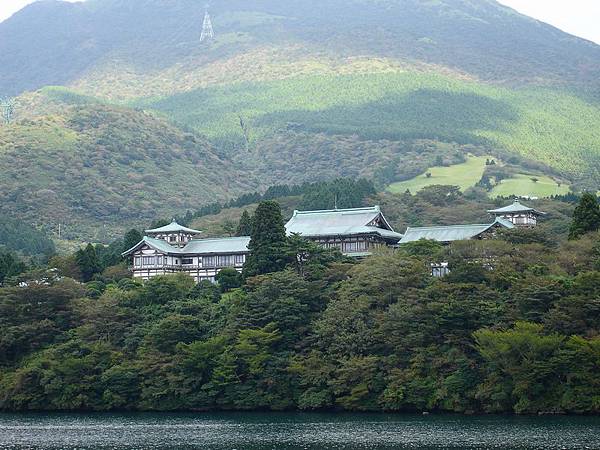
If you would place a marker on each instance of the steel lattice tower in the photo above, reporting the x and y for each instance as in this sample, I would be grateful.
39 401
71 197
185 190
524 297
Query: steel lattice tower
7 108
207 28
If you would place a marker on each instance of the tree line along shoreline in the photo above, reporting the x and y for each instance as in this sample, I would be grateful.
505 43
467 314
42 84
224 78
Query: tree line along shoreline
320 333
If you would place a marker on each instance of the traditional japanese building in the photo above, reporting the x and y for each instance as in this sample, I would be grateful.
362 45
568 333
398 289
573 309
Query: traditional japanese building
355 232
174 248
446 234
449 233
518 214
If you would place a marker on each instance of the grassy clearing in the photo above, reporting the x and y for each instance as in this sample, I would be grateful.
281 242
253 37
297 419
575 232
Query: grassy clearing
523 186
465 175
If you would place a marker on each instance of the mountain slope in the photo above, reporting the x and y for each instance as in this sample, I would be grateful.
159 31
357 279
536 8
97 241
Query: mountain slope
98 165
381 89
553 127
52 42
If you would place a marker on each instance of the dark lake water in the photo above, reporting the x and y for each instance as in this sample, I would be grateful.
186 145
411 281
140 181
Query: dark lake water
258 431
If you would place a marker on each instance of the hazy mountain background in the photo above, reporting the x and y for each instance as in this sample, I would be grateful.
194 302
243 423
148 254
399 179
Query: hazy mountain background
122 114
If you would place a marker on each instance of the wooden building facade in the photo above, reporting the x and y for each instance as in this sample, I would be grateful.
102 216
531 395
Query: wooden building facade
174 248
518 214
355 232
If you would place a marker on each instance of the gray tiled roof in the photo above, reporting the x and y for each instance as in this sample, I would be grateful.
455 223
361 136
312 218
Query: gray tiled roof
197 246
158 244
451 233
173 227
340 222
516 207
220 245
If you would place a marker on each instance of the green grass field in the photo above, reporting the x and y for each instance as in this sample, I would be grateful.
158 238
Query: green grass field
465 175
523 186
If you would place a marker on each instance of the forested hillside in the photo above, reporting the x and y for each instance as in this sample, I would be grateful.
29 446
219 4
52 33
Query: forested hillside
95 165
122 114
19 236
555 128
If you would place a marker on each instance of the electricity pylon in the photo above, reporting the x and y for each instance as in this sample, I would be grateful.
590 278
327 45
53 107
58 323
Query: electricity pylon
207 28
7 109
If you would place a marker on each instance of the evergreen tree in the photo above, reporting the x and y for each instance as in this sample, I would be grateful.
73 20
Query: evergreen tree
229 279
586 216
268 241
245 225
131 238
88 262
109 255
9 265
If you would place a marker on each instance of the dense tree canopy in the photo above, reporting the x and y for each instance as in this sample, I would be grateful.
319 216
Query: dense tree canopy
586 217
315 330
10 265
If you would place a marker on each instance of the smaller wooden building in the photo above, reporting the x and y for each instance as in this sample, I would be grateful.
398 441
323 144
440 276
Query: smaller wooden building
449 233
173 249
518 214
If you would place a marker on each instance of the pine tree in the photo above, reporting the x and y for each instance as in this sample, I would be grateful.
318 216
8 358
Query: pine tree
245 225
268 241
88 262
586 216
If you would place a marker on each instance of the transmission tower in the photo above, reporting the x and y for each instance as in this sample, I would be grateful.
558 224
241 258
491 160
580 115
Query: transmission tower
207 28
7 109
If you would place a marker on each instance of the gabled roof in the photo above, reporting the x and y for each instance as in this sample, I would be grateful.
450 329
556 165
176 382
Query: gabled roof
217 246
452 232
516 207
157 244
173 227
341 222
196 246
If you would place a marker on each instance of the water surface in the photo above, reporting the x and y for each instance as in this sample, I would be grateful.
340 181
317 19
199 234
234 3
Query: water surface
266 431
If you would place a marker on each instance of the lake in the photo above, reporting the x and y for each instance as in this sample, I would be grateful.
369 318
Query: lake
266 431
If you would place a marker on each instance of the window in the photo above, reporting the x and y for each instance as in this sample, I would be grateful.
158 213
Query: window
148 260
172 238
137 261
209 261
187 261
225 261
350 246
240 259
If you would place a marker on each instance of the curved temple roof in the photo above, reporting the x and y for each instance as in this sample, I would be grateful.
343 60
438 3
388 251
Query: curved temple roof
516 207
452 232
341 222
173 227
197 246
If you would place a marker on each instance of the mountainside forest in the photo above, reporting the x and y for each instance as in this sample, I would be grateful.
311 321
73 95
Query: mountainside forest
122 114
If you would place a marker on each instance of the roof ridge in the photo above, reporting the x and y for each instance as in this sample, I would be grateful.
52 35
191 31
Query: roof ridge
220 238
464 225
325 211
175 224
